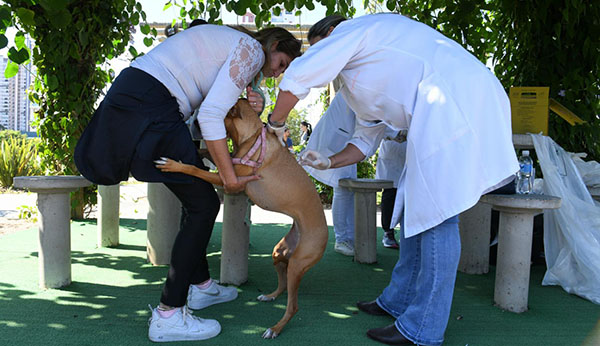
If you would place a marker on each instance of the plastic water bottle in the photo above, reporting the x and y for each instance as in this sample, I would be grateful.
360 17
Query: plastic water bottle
525 174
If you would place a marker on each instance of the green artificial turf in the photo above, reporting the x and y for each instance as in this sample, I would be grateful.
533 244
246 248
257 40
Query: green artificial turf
107 302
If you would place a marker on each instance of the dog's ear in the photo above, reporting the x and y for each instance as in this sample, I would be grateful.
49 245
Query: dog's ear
234 112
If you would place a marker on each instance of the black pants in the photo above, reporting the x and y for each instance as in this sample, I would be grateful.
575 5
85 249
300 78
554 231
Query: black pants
138 122
388 198
199 208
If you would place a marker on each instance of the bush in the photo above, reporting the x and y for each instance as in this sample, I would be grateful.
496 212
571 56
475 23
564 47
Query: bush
18 157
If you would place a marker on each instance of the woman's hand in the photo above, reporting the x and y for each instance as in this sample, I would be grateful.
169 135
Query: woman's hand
240 184
255 100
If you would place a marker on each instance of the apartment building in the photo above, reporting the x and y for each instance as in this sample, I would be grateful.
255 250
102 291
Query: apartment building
15 107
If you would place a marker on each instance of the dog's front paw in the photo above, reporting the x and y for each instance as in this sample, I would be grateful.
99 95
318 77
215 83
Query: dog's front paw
264 298
269 334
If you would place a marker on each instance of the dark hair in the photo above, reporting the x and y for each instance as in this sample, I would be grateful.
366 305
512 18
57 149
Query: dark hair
308 127
197 21
321 28
286 42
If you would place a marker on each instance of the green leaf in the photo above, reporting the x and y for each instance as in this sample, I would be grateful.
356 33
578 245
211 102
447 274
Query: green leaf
277 11
26 16
148 41
145 29
167 5
133 51
5 16
11 70
54 5
182 12
20 40
18 56
289 5
3 41
61 19
391 5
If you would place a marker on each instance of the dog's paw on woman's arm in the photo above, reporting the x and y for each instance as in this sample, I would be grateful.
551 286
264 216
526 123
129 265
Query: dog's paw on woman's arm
167 165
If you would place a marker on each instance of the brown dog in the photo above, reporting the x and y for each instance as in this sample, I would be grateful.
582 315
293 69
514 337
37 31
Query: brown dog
286 188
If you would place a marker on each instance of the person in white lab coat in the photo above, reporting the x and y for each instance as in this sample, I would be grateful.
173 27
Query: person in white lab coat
332 132
390 162
401 74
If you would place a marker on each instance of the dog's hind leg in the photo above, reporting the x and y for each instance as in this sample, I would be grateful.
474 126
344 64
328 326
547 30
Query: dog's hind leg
281 254
301 261
281 269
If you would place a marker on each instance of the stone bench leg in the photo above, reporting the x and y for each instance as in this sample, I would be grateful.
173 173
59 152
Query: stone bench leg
513 262
108 218
365 214
164 216
235 239
474 226
365 226
53 202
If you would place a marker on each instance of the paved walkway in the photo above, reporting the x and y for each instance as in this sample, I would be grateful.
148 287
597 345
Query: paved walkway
134 205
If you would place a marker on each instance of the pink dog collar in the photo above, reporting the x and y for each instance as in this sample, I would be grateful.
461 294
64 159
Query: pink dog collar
261 142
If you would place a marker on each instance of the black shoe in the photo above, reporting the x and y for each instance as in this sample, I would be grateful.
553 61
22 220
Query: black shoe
388 335
372 308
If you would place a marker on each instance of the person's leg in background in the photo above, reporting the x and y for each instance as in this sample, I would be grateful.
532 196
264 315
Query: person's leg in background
342 210
388 198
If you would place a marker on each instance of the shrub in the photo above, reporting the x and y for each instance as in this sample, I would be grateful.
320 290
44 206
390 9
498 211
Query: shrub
18 157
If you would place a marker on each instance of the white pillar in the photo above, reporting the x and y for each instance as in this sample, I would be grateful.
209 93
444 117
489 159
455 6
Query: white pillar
164 216
474 227
365 214
54 223
515 232
108 215
513 263
235 239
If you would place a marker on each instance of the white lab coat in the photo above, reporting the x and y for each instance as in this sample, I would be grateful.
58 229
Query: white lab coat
402 74
390 161
330 135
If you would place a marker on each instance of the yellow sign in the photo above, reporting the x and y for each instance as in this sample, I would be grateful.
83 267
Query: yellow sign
529 108
564 113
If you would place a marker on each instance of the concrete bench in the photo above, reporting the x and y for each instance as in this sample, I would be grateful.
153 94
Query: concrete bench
365 213
514 245
474 227
108 215
53 201
235 238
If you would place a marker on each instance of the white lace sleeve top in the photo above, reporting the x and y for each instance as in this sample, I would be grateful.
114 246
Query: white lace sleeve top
205 67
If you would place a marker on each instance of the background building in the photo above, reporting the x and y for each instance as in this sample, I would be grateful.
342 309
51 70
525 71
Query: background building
15 107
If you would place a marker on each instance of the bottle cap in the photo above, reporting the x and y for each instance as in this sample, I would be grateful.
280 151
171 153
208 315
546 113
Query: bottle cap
525 152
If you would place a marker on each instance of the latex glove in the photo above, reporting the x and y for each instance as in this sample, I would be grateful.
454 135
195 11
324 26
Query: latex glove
315 159
255 99
278 131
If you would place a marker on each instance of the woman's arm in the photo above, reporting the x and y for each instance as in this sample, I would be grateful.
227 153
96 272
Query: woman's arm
220 154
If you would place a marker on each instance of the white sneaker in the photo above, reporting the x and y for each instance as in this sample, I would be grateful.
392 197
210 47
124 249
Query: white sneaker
344 248
181 326
200 298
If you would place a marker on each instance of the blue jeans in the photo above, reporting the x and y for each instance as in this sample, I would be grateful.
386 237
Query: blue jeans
342 212
420 292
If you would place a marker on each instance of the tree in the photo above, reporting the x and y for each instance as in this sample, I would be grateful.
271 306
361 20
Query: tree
73 41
